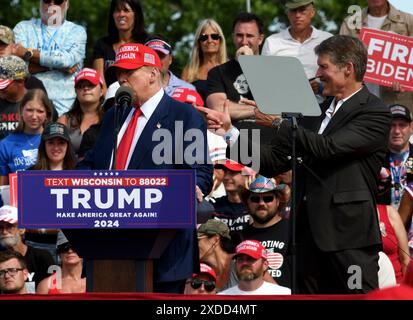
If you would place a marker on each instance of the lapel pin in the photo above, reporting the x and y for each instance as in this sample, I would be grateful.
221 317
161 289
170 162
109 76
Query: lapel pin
158 125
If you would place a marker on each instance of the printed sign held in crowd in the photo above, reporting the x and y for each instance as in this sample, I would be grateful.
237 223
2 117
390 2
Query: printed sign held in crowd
390 58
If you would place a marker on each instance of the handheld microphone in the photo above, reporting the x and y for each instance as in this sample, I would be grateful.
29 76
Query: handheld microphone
124 96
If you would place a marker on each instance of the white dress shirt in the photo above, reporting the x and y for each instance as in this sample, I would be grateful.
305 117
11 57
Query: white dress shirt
148 109
283 44
332 110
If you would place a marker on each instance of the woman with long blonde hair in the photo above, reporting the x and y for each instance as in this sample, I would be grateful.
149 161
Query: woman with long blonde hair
209 50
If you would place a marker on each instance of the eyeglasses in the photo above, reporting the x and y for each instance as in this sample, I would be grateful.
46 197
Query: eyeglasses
56 2
204 37
10 271
257 199
64 248
208 285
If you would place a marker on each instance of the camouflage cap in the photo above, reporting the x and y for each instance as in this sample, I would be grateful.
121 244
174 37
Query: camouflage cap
6 35
213 227
294 4
13 68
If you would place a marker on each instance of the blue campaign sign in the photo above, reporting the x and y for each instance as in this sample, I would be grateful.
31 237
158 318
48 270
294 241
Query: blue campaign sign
107 199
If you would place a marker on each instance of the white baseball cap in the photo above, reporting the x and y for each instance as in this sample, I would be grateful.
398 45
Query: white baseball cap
8 214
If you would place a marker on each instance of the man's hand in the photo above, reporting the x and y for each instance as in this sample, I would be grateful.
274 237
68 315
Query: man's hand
315 85
18 50
261 119
265 120
217 120
248 102
71 70
244 50
199 194
397 87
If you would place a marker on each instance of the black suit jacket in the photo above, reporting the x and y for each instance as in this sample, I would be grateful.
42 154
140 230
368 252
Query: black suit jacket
337 181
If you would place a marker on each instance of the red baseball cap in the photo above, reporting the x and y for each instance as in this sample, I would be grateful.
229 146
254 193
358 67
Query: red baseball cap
90 75
230 165
132 56
204 268
187 95
4 83
252 248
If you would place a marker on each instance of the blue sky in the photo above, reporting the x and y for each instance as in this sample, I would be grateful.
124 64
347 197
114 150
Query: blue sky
404 5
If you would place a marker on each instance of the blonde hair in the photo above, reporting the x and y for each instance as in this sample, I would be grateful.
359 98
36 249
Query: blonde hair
197 57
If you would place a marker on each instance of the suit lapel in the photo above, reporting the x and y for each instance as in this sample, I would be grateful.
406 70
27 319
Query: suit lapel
347 108
323 106
145 143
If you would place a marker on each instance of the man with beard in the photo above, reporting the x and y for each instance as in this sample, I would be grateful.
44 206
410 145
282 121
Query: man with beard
265 201
11 238
13 273
251 263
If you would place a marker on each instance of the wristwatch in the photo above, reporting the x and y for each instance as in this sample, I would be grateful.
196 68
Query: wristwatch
277 123
28 55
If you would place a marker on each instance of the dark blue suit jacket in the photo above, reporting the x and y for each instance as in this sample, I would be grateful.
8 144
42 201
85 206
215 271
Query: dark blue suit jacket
177 262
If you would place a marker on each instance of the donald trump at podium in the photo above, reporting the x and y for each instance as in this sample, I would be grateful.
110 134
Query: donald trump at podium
138 67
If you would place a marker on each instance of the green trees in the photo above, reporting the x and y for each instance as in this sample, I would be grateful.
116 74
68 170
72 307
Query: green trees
178 19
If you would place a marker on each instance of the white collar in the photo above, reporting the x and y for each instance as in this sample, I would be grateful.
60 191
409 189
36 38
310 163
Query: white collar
335 105
150 105
287 35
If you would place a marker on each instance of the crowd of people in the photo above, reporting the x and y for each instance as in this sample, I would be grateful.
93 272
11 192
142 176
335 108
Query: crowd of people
354 183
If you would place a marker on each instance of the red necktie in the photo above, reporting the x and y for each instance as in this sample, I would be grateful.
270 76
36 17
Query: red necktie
126 142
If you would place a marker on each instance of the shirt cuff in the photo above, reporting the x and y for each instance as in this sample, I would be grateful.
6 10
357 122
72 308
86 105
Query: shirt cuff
231 136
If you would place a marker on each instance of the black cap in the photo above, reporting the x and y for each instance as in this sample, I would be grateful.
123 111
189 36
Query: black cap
56 130
399 111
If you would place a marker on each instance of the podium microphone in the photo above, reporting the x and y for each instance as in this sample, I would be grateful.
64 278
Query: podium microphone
123 100
123 96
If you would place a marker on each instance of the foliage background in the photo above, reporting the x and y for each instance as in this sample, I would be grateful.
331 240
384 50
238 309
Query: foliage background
177 20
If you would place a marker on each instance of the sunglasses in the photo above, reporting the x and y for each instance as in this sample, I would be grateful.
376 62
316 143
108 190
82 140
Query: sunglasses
204 37
64 248
208 285
257 199
56 2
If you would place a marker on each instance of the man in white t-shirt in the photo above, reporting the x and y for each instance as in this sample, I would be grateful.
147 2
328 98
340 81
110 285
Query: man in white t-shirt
299 40
251 263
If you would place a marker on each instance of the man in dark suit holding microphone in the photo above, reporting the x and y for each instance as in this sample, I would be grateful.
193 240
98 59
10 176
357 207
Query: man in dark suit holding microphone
138 68
337 227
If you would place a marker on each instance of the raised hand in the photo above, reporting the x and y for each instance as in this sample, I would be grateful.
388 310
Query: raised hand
219 121
244 50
